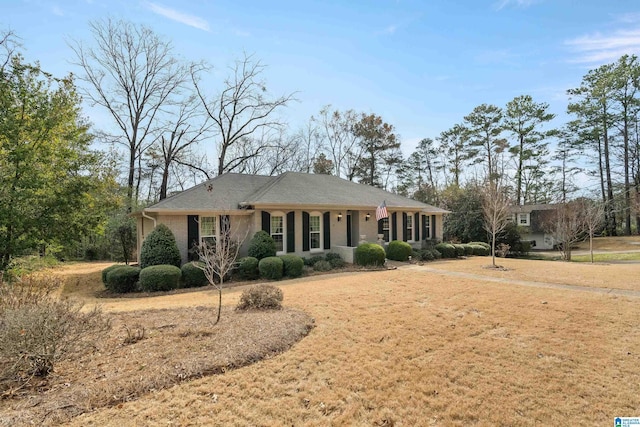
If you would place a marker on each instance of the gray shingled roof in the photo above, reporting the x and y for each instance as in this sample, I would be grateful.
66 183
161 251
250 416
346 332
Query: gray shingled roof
230 191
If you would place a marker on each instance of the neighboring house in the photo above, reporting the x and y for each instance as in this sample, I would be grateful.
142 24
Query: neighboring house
304 213
533 222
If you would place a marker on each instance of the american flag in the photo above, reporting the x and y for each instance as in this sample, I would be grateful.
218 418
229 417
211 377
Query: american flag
381 211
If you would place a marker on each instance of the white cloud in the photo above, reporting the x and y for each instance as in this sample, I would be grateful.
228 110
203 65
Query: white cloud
56 10
501 4
598 48
175 15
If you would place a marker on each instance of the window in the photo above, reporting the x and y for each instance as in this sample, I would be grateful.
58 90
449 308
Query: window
208 229
512 217
523 219
410 227
314 232
426 226
385 228
277 231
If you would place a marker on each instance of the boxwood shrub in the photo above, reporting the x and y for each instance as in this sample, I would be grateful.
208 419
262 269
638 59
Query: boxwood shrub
107 270
483 244
271 268
262 245
370 254
335 260
459 249
248 268
160 278
399 250
468 249
292 265
323 265
312 260
447 250
122 279
480 250
192 276
160 248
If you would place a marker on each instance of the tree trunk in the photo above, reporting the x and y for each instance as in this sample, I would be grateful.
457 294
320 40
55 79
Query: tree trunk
519 172
131 180
611 224
165 181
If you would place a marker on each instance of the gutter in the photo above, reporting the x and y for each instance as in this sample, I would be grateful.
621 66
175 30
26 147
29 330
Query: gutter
144 214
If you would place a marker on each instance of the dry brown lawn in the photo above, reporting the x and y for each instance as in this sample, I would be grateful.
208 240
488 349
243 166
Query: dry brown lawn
409 347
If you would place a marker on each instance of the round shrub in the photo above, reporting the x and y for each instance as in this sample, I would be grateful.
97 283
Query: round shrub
248 268
335 260
292 265
107 270
311 261
262 245
271 268
159 248
468 249
459 249
370 254
435 253
160 278
261 297
192 276
122 279
447 250
480 250
399 250
483 244
323 265
427 254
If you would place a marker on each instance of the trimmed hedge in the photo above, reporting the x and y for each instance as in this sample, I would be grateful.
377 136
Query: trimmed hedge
248 268
160 278
262 245
261 297
192 276
122 279
107 270
399 250
335 260
322 266
480 250
483 244
292 265
271 268
459 249
160 248
447 250
468 249
311 261
370 254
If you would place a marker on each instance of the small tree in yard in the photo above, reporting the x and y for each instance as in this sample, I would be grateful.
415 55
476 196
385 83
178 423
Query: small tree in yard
593 220
573 220
495 211
218 257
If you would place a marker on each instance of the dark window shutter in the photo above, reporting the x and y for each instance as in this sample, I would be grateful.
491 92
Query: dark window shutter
291 232
193 235
266 222
394 226
327 230
433 226
305 231
404 227
416 227
425 232
380 230
225 223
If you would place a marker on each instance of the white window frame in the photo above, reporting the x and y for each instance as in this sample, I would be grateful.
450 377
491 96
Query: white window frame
320 233
201 232
283 233
411 229
524 219
386 237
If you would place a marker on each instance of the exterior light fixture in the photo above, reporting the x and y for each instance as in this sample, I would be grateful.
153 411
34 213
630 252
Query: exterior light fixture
339 216
367 216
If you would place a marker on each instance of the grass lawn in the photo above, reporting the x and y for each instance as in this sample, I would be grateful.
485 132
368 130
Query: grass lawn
607 257
406 347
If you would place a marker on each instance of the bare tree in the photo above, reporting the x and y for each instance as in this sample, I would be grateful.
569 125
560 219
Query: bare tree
218 257
132 73
495 212
8 45
239 110
569 226
593 220
338 129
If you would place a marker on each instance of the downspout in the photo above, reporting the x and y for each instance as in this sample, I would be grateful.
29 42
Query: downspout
144 214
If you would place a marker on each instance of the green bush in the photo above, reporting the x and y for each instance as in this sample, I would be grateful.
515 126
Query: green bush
468 249
271 268
426 255
159 248
310 262
399 250
335 260
122 279
459 249
262 245
107 270
248 268
435 253
370 254
323 265
160 278
261 297
292 265
480 250
447 250
192 276
483 244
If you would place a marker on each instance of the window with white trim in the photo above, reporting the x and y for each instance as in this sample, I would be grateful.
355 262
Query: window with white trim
523 219
427 227
385 228
208 229
409 227
277 231
315 231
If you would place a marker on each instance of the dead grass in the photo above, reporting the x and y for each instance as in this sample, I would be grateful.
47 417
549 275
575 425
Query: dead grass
408 347
618 243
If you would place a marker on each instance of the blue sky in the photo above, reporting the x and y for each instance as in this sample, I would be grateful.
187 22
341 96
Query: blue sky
421 65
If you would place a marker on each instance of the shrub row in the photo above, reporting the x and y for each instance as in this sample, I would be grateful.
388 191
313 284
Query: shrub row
124 278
